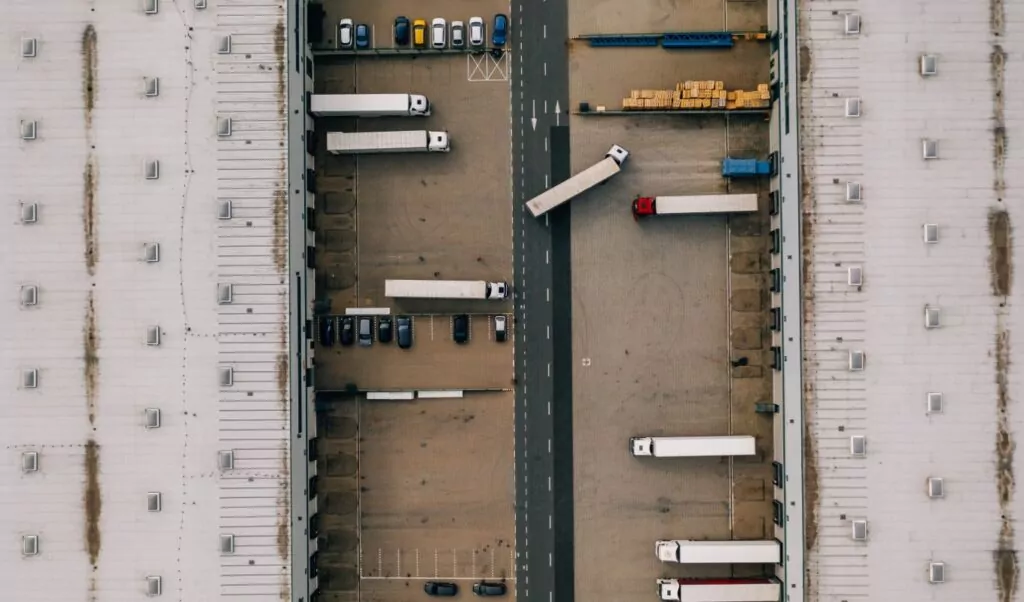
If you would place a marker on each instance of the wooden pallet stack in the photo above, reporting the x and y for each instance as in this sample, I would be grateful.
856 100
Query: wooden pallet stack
697 95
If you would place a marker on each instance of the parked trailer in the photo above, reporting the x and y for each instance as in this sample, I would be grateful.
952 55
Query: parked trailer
579 183
747 168
445 289
418 141
692 447
708 203
719 590
687 551
369 105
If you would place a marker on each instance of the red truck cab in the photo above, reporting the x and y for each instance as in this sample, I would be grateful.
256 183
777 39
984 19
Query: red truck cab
643 205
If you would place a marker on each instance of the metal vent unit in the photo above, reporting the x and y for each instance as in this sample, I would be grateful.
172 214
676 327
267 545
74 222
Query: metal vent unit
852 107
936 572
929 64
28 48
152 86
223 127
153 336
929 149
154 585
200 4
152 418
151 7
859 532
29 378
227 376
227 543
851 24
154 501
931 233
858 446
857 359
29 545
224 210
933 403
855 276
224 45
151 168
225 293
29 461
29 295
29 213
226 459
152 252
28 130
853 192
936 488
931 317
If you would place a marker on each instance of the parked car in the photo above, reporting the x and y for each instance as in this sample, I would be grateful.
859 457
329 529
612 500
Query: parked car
365 331
458 34
500 328
438 29
476 31
401 31
384 329
460 328
362 36
403 331
500 31
347 334
327 331
489 589
439 588
345 33
419 33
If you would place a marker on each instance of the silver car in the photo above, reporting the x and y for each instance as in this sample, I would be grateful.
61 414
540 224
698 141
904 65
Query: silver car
476 31
345 33
438 31
458 34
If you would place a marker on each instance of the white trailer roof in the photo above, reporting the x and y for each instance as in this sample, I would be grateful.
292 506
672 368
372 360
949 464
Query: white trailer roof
692 447
706 203
357 141
555 196
720 552
357 103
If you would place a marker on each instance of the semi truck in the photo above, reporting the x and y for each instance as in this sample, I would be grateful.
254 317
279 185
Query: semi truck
680 205
692 447
369 105
579 183
417 141
720 590
688 551
445 289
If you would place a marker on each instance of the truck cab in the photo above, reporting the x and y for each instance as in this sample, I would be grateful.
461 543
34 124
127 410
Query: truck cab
643 205
618 154
419 105
641 446
438 142
497 290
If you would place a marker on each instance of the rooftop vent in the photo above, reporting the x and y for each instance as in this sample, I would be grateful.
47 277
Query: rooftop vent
29 213
152 418
858 446
29 545
227 376
224 210
936 572
225 293
930 149
853 192
154 585
28 130
223 127
152 86
853 107
856 360
29 378
860 529
931 233
29 461
224 46
855 276
931 317
154 501
226 459
851 24
29 295
151 7
200 4
929 64
933 403
152 169
936 487
151 251
153 336
28 47
227 543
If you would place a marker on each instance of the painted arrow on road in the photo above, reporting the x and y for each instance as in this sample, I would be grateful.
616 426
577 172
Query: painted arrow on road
558 113
533 120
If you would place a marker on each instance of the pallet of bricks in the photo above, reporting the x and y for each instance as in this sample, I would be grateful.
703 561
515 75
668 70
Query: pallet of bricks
701 94
696 95
650 100
753 99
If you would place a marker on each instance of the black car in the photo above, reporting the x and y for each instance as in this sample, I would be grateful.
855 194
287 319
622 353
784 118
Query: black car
347 336
489 589
401 31
460 328
403 330
439 588
384 329
327 331
365 331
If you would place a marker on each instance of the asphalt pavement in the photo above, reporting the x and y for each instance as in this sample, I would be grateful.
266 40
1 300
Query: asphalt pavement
540 159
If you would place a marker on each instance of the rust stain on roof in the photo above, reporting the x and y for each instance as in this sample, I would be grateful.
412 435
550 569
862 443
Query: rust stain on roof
91 342
89 178
92 501
89 74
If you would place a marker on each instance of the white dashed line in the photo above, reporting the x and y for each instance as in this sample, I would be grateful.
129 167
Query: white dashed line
549 331
550 522
545 144
549 369
549 483
549 446
551 562
545 181
549 404
545 30
547 293
547 259
545 68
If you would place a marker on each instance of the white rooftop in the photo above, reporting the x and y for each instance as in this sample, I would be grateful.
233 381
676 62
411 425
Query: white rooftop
102 325
874 443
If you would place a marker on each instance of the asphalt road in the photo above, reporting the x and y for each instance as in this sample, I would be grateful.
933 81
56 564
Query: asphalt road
540 159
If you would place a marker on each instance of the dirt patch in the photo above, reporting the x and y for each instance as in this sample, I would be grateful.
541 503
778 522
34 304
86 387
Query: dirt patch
338 542
340 427
341 465
340 503
747 338
89 75
745 263
747 300
89 181
1005 557
805 62
92 501
997 17
338 579
1000 235
90 352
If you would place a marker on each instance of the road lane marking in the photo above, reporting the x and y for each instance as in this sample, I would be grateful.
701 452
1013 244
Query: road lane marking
549 413
551 562
549 446
436 573
545 144
550 523
398 553
549 478
547 259
547 293
545 31
549 369
545 181
549 331
545 68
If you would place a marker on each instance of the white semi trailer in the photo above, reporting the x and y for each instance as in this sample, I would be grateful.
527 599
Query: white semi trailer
445 289
368 143
687 551
579 183
369 105
692 447
764 589
696 204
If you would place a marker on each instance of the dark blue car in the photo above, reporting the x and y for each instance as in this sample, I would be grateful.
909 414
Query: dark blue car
500 31
362 36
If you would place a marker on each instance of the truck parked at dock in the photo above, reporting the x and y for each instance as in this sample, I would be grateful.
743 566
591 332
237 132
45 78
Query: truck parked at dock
696 204
445 289
369 105
356 143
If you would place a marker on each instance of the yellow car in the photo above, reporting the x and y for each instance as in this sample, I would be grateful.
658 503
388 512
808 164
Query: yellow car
419 33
